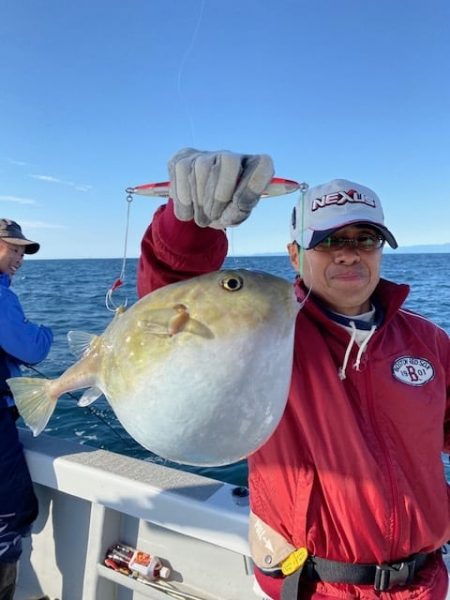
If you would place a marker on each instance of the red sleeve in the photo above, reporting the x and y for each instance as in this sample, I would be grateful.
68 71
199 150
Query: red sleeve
173 250
447 413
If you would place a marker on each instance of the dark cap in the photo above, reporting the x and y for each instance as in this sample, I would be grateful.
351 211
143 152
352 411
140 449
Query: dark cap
11 232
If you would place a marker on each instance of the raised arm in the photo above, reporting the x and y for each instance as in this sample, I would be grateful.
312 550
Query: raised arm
209 191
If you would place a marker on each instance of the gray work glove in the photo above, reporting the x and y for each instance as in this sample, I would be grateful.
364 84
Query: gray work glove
217 189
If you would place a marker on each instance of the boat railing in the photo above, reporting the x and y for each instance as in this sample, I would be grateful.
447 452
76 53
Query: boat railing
91 499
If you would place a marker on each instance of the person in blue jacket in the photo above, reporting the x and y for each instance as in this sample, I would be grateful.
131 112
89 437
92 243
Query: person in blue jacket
21 343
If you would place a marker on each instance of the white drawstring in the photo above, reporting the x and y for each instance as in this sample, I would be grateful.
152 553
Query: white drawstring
347 352
363 347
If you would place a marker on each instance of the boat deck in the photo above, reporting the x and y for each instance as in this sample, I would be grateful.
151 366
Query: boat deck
91 499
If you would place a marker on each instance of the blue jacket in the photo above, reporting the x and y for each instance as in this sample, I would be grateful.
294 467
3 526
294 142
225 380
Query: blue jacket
21 342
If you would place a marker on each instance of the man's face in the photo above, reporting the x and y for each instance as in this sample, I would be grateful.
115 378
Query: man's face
344 278
11 257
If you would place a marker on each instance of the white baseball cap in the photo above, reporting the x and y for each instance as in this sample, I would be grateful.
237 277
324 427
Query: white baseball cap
325 208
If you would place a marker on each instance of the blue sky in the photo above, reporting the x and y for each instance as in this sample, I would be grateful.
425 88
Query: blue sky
96 95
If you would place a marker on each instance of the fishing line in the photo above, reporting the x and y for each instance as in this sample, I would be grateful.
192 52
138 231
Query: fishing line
121 279
180 70
303 189
92 410
301 251
110 305
231 245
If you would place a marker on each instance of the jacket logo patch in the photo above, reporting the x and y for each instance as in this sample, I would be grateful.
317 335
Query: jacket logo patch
413 371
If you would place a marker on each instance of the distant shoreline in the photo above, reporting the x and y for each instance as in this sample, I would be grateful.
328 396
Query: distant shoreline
389 251
444 249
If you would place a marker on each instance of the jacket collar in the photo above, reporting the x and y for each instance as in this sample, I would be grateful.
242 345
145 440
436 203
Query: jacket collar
387 298
5 280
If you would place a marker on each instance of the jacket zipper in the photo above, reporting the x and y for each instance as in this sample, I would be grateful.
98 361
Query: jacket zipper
394 533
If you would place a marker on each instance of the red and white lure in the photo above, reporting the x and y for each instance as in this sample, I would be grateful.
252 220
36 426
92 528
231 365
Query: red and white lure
277 187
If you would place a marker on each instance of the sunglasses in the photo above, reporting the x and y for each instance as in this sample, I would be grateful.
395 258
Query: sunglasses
365 242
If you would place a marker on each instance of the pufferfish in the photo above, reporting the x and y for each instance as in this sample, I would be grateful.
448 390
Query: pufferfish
197 372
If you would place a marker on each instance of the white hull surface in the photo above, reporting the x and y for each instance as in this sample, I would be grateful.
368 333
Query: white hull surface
91 499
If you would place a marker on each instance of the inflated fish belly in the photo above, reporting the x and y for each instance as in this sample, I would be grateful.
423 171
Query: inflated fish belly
198 372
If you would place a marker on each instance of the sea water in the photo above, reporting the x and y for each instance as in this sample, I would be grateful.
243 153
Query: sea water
70 295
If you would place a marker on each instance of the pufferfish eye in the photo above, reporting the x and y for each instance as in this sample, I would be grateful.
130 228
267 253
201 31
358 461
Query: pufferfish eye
232 283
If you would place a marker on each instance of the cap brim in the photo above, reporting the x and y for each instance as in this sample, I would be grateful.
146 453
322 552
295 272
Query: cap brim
319 236
30 247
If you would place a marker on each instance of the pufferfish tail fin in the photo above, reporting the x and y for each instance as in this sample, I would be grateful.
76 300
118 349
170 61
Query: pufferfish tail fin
33 401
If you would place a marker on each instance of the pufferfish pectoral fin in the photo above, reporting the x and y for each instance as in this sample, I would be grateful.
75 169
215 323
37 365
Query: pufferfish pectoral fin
168 322
90 396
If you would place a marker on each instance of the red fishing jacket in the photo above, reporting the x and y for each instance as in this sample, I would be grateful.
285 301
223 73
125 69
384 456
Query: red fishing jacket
354 471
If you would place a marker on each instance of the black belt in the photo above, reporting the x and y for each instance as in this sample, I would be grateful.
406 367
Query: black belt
382 577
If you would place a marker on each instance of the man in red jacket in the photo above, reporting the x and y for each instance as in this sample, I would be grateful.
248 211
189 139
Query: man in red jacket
348 497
